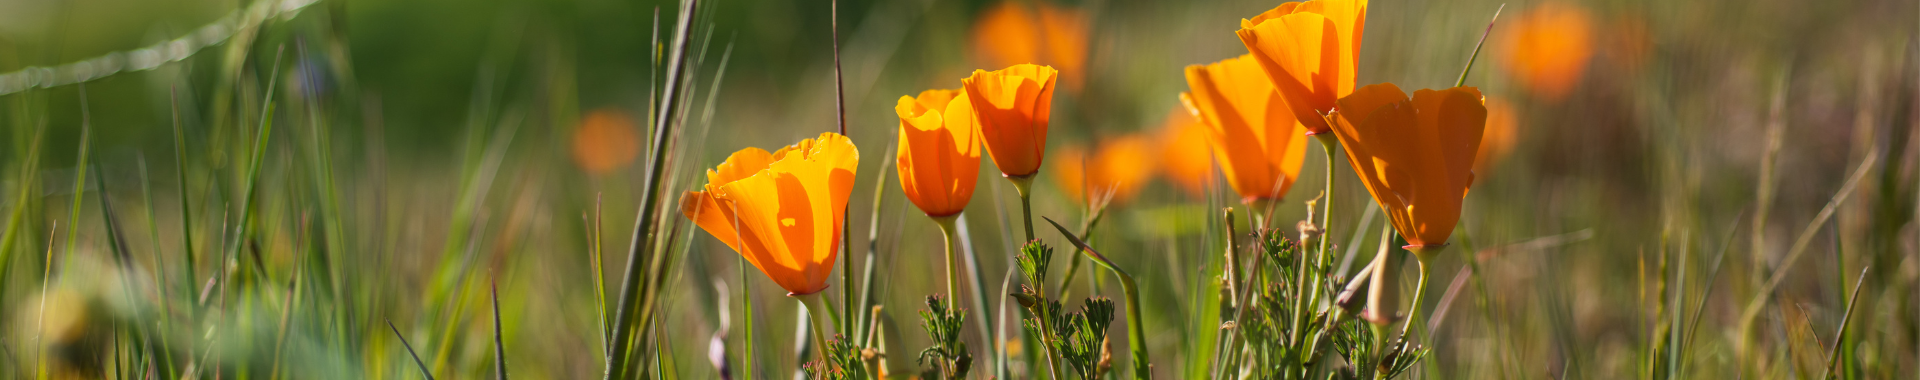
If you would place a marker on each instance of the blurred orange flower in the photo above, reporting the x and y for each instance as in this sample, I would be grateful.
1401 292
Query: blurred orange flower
1012 106
1258 143
1185 153
1309 52
1009 34
1547 49
605 141
1121 165
1415 156
788 206
1501 134
939 155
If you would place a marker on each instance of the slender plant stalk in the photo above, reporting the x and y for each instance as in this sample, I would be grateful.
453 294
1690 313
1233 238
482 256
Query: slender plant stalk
1419 291
499 341
746 326
873 247
80 168
846 240
624 323
409 347
40 323
1025 186
1047 335
186 207
1136 334
815 306
963 241
22 201
1846 321
953 265
1476 47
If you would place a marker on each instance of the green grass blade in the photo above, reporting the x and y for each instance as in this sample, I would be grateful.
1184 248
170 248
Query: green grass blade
499 343
416 356
1840 341
624 321
1136 335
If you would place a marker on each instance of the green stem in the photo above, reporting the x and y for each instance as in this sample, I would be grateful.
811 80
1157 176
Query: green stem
953 265
1047 336
979 295
1419 292
814 306
746 324
625 324
1024 185
1136 333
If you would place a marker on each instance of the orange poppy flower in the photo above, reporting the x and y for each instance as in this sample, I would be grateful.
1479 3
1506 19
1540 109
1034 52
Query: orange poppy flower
605 141
1012 106
1185 154
1309 51
788 206
1121 165
1009 33
1415 156
1548 47
1500 136
939 155
1258 143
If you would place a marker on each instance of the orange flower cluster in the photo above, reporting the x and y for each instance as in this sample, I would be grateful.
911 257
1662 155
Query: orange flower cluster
1416 155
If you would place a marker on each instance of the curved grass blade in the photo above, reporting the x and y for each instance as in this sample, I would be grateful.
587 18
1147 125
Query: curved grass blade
1136 334
409 346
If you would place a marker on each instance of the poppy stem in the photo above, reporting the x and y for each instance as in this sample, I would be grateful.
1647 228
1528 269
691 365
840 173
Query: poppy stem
1024 184
814 306
953 265
1419 291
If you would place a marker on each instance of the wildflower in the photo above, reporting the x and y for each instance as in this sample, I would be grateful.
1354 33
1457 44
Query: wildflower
1258 143
1308 50
1547 50
1415 156
939 155
605 141
787 206
1013 106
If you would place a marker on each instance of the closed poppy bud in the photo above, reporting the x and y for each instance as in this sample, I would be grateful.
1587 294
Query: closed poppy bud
1309 51
939 157
1013 106
1258 143
1414 155
782 211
